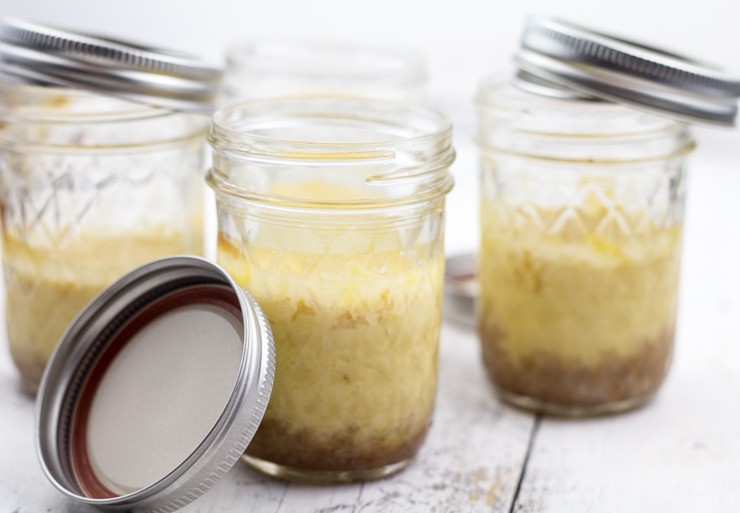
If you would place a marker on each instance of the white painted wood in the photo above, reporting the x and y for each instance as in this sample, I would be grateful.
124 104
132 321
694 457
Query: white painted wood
681 453
470 462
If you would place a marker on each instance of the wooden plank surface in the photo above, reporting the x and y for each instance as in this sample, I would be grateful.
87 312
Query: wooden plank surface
471 461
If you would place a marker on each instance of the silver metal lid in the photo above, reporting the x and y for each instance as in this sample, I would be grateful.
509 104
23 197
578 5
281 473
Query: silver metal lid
89 358
39 54
611 68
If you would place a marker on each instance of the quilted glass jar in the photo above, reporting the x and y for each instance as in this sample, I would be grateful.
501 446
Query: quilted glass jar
91 186
101 169
331 214
582 206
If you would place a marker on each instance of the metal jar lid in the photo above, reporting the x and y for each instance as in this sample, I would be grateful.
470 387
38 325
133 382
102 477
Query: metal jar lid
561 54
114 372
40 54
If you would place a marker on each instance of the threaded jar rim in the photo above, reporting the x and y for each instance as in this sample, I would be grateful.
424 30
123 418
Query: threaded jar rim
413 143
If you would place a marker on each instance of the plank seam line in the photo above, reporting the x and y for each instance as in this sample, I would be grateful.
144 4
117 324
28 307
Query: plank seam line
527 455
359 498
282 497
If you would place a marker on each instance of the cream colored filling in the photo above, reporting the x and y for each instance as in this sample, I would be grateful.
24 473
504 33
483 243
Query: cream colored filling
47 287
580 284
356 332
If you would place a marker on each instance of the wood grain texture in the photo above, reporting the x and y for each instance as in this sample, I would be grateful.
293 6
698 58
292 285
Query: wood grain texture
471 461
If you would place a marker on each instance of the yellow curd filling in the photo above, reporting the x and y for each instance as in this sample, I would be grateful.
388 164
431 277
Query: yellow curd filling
356 324
577 304
47 287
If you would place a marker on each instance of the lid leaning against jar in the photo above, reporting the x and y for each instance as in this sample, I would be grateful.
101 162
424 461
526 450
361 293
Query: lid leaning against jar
156 388
558 58
561 60
40 54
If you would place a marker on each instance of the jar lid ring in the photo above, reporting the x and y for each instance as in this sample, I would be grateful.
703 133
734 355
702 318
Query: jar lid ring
615 69
41 54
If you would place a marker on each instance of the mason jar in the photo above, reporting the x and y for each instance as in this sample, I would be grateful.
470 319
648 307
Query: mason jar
294 67
92 183
331 214
582 210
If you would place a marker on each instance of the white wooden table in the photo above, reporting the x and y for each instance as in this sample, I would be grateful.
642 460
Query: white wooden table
680 453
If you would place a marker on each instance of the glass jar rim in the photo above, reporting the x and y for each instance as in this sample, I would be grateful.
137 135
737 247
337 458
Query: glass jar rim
519 121
226 132
499 82
499 91
389 144
53 98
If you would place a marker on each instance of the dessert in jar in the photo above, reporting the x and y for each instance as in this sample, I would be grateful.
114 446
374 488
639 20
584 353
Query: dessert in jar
93 183
334 223
582 208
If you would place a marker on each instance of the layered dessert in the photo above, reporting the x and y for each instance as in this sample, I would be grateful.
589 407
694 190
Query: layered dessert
47 286
356 323
578 304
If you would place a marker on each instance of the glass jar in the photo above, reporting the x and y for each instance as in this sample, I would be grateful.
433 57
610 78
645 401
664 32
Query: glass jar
275 68
101 169
582 205
330 214
91 186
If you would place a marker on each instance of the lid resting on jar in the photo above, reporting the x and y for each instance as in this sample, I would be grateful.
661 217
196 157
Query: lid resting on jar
560 56
155 389
40 54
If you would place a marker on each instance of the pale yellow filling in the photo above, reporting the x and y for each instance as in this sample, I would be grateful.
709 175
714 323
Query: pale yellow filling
47 287
356 330
579 283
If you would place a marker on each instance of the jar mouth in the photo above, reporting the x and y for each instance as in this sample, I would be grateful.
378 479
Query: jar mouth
315 127
21 102
39 118
363 152
523 123
327 63
497 93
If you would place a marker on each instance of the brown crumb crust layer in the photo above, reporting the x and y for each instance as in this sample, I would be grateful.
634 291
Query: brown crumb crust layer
553 380
305 450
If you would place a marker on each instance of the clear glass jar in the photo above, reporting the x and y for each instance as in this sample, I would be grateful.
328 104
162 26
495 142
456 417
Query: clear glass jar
331 214
91 186
276 68
582 207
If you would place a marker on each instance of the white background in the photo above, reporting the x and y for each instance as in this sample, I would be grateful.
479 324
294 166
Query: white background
462 41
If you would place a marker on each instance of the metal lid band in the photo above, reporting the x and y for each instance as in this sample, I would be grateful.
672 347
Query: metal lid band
618 70
35 53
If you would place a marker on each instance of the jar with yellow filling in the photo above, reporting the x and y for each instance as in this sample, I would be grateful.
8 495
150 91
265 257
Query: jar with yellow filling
91 187
336 229
581 222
